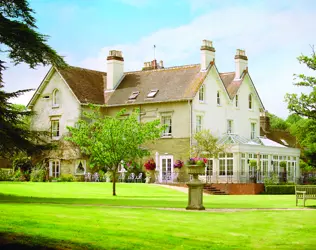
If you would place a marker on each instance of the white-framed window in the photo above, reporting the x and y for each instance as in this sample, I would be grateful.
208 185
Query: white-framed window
55 129
236 101
152 93
199 123
80 167
226 163
253 131
250 101
209 167
56 98
54 168
166 120
202 93
229 126
243 164
218 97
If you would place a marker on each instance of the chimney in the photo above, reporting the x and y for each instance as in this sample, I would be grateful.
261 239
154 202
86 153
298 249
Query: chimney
207 54
115 63
241 63
154 64
265 122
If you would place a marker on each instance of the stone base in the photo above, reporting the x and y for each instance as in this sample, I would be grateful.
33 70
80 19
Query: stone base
195 196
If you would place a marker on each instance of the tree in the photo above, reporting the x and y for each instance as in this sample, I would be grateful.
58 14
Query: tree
111 141
305 104
277 122
22 44
207 145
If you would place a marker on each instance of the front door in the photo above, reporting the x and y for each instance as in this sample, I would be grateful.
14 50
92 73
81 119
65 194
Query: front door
166 168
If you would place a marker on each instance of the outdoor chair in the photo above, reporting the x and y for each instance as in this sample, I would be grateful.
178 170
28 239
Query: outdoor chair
139 177
87 177
96 177
131 177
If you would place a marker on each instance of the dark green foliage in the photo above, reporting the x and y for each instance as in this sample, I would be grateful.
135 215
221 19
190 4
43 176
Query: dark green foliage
38 174
66 178
277 122
21 43
280 189
6 175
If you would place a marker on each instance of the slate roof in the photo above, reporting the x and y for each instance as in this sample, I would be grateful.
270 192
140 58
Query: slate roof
88 85
173 84
280 136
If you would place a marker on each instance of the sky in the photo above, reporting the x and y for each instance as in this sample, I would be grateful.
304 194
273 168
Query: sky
273 33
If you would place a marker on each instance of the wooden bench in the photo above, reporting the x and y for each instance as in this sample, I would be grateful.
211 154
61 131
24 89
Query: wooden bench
305 193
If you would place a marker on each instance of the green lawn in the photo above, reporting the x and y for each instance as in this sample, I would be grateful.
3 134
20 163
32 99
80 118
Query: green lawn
85 215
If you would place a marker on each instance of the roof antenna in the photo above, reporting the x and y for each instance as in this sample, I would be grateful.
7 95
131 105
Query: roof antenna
154 52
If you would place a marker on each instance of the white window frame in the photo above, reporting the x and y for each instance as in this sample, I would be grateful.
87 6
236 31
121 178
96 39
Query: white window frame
166 158
163 119
52 164
230 126
202 94
218 98
252 130
250 102
52 121
83 162
199 122
223 158
55 103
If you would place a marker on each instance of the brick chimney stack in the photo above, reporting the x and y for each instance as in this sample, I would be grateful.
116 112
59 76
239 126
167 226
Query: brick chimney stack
207 54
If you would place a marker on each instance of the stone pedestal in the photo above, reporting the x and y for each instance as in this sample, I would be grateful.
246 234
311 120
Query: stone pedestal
195 196
195 188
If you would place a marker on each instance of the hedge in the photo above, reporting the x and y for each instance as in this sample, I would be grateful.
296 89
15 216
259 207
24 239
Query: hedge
280 189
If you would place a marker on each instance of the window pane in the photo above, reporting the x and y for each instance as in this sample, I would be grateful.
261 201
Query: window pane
222 167
229 167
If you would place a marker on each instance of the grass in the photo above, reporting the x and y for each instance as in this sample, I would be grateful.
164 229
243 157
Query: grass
86 216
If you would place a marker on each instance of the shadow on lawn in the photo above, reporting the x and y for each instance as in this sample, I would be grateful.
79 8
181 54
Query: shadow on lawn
25 242
141 201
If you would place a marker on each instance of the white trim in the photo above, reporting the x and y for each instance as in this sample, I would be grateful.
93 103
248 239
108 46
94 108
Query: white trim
56 173
84 165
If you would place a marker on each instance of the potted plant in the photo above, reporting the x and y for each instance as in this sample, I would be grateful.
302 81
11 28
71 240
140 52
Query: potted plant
178 164
196 167
150 167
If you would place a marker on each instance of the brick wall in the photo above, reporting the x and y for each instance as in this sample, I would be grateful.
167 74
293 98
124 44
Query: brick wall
241 188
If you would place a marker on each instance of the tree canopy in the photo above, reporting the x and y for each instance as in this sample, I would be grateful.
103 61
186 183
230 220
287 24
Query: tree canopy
21 43
111 141
304 104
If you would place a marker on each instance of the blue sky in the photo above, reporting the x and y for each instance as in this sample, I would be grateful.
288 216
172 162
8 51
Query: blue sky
273 33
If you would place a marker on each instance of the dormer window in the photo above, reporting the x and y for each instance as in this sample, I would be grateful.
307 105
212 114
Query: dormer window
250 101
134 95
218 99
202 93
56 98
152 93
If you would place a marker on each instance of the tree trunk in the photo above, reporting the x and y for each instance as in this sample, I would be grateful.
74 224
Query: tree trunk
114 183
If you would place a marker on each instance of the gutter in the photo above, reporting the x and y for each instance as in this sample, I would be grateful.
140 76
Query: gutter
190 115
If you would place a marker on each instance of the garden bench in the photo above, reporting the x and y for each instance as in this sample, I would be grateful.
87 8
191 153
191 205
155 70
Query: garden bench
305 193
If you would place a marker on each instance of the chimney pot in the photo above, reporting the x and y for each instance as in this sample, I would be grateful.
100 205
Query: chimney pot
161 64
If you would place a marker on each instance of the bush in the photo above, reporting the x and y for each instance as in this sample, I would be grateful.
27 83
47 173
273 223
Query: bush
21 176
6 175
38 174
280 189
66 178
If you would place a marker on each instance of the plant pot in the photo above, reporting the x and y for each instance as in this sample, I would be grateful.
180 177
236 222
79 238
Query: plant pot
150 176
195 171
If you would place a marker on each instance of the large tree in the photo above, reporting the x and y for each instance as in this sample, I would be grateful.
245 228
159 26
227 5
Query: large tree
304 104
21 43
111 141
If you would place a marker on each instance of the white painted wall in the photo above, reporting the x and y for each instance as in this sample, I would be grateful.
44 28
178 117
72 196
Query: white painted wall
215 117
68 110
115 71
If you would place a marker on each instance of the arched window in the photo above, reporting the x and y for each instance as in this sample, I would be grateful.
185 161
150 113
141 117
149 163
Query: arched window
218 99
55 98
250 101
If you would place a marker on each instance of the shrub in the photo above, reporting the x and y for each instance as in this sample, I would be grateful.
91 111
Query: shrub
6 175
311 180
66 178
21 176
38 174
280 189
150 165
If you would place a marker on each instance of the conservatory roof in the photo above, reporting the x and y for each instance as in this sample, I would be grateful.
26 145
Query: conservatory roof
259 141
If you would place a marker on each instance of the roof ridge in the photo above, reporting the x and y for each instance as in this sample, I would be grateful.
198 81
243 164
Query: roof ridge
88 69
164 69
